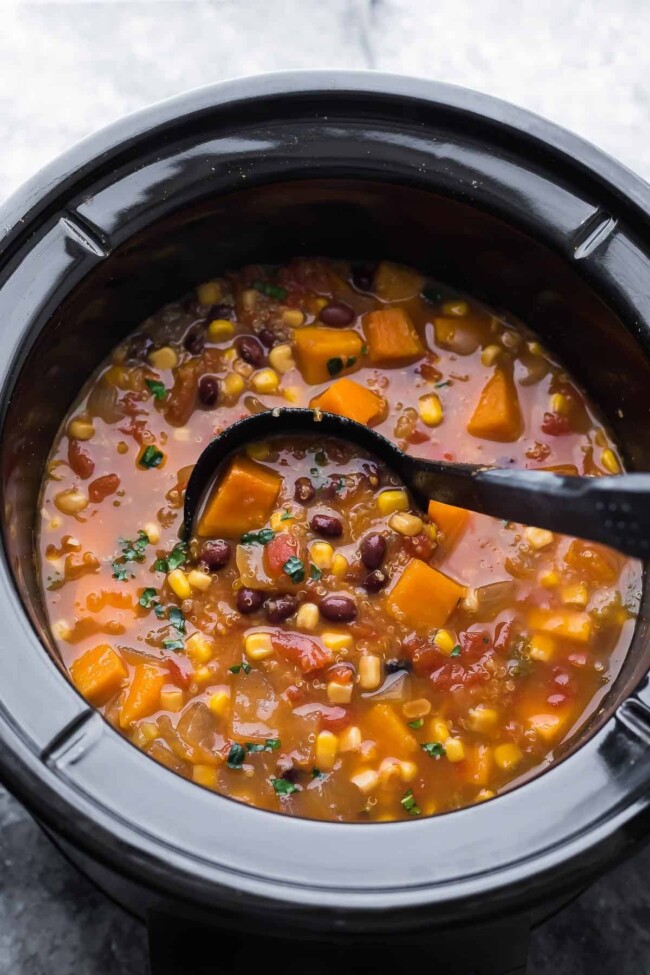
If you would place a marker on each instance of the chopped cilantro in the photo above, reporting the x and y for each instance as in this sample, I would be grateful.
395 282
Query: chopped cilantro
176 558
340 485
236 756
177 618
151 457
314 572
244 665
134 551
416 724
157 388
434 749
445 382
160 565
316 773
334 365
320 457
261 537
287 516
364 350
159 611
120 572
173 645
270 290
270 745
409 803
283 787
456 651
148 598
294 568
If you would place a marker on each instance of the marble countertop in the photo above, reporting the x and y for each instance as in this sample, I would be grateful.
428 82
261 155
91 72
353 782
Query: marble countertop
67 69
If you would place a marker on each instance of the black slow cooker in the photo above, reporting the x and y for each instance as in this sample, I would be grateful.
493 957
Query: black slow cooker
475 192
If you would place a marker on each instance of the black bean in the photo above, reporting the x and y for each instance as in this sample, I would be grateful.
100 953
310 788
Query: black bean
194 341
139 348
304 490
337 314
267 338
222 310
208 391
250 350
329 526
249 600
397 663
363 277
375 581
215 553
338 609
373 550
280 608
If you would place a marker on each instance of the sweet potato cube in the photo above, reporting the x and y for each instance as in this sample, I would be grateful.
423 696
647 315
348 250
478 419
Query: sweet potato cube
423 597
143 696
98 674
391 336
242 500
389 731
396 283
570 624
347 398
449 520
497 415
322 353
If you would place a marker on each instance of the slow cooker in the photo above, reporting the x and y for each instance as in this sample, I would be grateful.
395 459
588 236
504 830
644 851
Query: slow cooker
479 194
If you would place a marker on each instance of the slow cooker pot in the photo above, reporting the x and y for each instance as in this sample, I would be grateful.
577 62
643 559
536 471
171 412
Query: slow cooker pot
481 195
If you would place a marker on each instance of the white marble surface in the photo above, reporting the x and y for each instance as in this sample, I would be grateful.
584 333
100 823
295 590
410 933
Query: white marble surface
67 69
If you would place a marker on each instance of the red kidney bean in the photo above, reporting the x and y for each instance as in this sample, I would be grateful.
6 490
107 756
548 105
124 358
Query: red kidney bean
267 338
194 341
250 350
337 314
215 554
208 391
279 608
338 609
304 490
101 487
375 581
80 460
329 526
249 600
372 550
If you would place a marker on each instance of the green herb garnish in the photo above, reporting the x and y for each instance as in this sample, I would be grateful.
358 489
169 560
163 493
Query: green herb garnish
270 290
120 572
409 803
134 551
283 787
176 558
261 537
316 773
244 665
434 749
159 611
445 382
148 598
455 652
173 645
177 618
151 457
314 572
334 366
270 745
157 388
287 516
416 724
364 350
236 756
320 457
294 568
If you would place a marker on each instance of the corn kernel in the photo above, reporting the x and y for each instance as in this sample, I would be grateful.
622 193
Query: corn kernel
369 672
219 702
482 720
340 565
430 409
484 795
265 381
405 523
538 538
149 730
350 739
490 354
456 307
293 317
182 434
327 745
220 329
232 385
203 675
610 462
281 358
292 394
407 771
419 708
258 646
575 594
205 775
542 647
171 699
199 648
320 303
80 429
249 299
431 531
536 348
70 502
243 368
165 358
439 729
507 756
559 404
337 641
545 725
259 451
444 641
177 582
365 781
392 500
339 693
549 579
321 554
279 521
307 617
152 531
209 293
61 630
199 580
454 749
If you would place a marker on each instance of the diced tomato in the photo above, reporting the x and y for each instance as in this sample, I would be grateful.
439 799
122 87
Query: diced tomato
301 650
278 551
177 675
503 635
555 424
333 717
294 693
419 546
418 437
341 673
473 643
131 403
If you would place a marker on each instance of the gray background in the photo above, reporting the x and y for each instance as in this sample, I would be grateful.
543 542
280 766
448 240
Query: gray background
67 69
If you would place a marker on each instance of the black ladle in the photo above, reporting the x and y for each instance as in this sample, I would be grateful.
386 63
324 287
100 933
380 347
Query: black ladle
611 510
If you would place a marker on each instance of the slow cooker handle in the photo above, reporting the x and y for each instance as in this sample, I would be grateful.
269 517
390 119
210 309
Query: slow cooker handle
181 947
